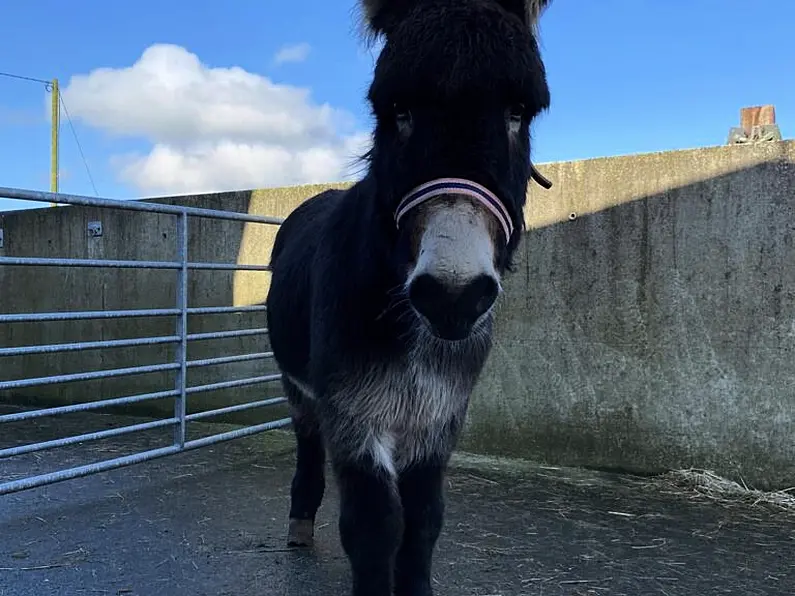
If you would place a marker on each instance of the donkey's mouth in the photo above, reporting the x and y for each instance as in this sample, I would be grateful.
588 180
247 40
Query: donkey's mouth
450 330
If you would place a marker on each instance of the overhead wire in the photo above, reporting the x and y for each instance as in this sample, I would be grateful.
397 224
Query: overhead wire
49 87
79 147
23 78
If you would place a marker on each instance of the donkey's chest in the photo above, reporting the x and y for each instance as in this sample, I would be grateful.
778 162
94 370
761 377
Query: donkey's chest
415 395
404 414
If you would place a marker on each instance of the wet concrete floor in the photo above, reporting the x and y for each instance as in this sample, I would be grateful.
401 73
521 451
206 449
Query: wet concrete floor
212 522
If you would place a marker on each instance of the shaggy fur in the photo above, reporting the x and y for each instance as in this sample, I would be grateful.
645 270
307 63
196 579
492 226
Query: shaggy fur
371 385
381 12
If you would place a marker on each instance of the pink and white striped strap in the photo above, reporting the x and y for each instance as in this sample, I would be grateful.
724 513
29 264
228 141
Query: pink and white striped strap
458 186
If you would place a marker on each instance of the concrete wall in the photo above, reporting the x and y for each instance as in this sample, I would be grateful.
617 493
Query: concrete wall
650 324
656 329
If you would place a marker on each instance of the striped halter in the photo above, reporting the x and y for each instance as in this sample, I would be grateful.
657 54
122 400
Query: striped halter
456 186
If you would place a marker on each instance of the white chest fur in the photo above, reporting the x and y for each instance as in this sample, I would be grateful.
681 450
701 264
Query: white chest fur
401 413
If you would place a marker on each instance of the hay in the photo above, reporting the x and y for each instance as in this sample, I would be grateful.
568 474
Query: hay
707 483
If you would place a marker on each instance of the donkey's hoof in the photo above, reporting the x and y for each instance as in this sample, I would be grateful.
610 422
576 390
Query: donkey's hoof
301 532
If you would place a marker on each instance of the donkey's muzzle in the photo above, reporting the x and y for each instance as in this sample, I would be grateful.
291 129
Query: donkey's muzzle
452 311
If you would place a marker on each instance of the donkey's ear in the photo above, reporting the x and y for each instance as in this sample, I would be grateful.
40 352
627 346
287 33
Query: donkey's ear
527 10
382 15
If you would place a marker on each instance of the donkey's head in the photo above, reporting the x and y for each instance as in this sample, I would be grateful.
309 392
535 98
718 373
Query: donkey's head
455 89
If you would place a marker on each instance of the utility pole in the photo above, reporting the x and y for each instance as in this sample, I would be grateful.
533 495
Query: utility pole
56 125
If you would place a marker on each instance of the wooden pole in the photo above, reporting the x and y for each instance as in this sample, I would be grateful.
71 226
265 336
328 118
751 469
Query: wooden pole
56 125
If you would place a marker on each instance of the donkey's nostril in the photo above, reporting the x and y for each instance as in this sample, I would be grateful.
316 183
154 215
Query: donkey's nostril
478 296
452 310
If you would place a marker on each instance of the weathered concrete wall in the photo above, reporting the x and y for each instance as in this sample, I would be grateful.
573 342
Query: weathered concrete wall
654 330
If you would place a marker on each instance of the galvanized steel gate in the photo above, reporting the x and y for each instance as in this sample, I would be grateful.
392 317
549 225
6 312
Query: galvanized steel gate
180 338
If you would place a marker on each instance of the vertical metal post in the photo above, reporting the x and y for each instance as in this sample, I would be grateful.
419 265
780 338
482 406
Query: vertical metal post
54 133
182 329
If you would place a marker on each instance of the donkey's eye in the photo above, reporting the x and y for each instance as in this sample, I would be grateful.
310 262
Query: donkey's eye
514 116
403 119
516 111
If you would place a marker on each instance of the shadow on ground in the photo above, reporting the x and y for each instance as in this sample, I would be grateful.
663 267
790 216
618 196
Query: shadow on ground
212 523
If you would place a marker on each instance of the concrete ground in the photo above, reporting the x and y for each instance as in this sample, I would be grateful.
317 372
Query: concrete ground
212 522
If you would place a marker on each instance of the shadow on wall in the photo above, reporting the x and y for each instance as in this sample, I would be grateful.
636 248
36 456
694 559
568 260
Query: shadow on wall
656 333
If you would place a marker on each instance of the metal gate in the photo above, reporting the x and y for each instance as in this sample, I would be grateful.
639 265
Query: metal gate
180 338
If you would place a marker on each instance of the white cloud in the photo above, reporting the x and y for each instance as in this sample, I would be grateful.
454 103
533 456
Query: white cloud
226 164
292 53
213 128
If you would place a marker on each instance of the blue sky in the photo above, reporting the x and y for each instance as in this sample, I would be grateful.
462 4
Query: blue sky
626 76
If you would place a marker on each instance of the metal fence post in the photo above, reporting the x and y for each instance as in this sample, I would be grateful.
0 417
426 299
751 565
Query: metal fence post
182 330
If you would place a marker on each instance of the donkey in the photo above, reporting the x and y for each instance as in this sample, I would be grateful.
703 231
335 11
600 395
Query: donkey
381 302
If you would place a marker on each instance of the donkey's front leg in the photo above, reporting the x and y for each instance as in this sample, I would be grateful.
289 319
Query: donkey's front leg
421 492
371 525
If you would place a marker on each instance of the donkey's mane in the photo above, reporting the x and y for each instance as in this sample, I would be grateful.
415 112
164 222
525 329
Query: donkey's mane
373 12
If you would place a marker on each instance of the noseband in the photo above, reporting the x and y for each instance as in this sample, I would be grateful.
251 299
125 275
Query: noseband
456 186
461 186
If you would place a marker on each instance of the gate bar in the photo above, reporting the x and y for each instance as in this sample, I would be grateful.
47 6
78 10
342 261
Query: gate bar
84 438
82 407
236 408
229 359
122 372
212 310
121 314
88 376
228 267
88 345
68 199
104 466
86 315
123 430
119 264
236 383
225 334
